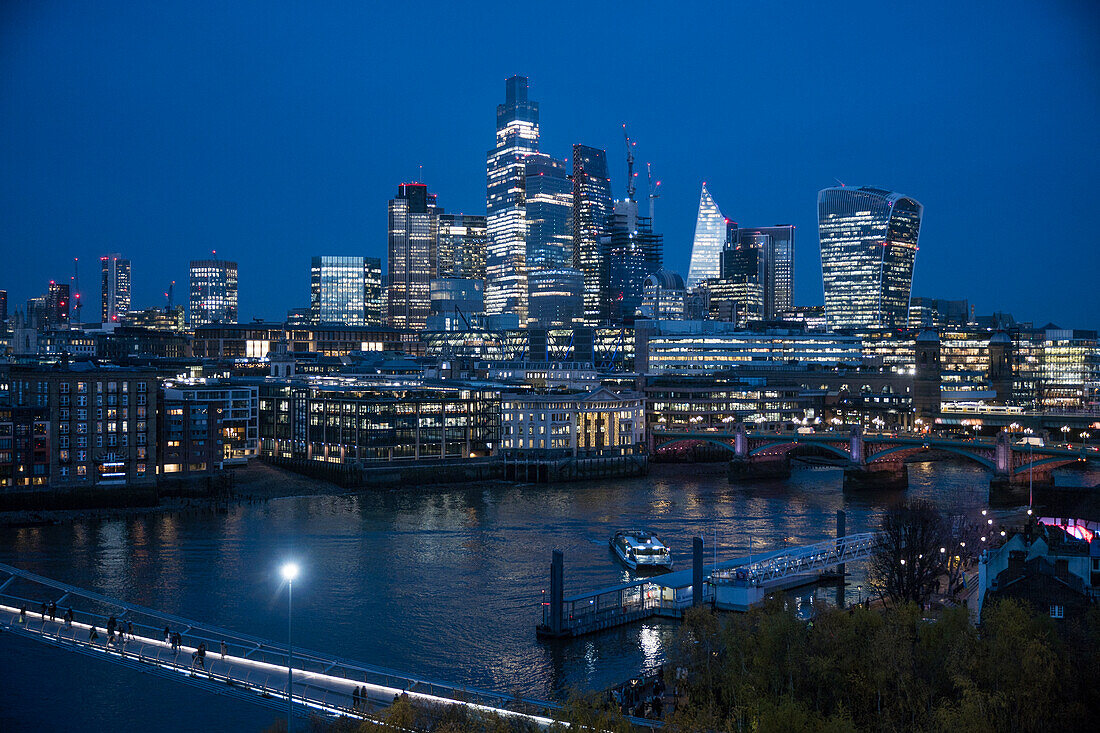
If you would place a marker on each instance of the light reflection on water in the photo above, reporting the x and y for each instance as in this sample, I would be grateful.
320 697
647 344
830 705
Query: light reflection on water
447 584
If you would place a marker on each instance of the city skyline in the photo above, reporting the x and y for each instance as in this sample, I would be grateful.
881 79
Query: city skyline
161 219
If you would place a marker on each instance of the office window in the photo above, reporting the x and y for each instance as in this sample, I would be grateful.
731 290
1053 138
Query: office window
1056 611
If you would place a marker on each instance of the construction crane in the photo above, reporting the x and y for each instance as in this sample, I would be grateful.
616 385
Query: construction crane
76 291
630 187
654 191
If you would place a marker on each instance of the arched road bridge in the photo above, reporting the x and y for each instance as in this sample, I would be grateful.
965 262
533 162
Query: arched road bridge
876 458
252 669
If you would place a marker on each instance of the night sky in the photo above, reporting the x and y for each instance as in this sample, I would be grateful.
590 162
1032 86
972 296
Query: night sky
274 131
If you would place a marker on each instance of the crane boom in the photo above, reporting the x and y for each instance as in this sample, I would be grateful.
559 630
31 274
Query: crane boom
630 187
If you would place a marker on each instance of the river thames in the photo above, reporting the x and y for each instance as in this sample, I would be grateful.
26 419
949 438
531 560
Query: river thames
443 583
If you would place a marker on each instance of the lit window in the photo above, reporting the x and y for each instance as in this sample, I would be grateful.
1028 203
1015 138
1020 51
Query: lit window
1056 611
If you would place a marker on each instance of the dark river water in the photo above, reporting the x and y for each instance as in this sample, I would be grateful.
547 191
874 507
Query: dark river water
444 584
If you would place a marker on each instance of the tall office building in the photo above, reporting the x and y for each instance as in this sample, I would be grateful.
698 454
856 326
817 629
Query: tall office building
3 311
505 201
461 248
710 237
413 239
592 211
338 290
776 247
373 300
57 305
557 299
868 245
631 253
116 288
739 294
549 213
213 292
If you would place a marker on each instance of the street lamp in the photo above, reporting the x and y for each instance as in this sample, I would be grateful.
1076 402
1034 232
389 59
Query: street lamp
859 589
289 572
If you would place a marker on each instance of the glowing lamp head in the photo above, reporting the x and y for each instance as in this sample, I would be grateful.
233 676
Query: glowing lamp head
289 571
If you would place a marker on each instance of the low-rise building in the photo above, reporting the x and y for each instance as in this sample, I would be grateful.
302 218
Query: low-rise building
598 422
205 425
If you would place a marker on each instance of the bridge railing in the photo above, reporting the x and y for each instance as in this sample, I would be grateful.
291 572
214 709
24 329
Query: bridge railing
801 560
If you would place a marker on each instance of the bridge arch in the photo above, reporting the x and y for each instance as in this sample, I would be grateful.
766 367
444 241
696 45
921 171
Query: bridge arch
695 439
912 450
790 446
1047 464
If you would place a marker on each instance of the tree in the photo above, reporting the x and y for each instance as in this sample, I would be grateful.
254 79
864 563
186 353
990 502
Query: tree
907 564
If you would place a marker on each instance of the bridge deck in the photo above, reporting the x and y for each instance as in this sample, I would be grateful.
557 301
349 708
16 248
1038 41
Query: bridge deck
253 669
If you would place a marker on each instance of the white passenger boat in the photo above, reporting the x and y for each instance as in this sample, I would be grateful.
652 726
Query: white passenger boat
640 550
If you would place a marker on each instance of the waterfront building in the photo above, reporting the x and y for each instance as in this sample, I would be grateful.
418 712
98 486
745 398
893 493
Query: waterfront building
115 281
600 421
710 237
344 421
592 210
213 292
549 212
57 305
868 246
81 426
206 425
517 138
413 232
723 400
556 298
462 242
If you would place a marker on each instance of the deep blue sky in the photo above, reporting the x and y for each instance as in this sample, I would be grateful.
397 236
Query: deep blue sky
274 131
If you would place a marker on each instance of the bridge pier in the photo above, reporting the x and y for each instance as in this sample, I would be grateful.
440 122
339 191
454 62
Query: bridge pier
750 469
877 476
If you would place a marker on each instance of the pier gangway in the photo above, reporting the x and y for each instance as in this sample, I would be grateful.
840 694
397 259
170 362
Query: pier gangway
252 668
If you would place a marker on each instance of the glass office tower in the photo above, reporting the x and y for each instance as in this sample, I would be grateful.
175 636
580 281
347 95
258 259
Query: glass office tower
338 290
373 304
213 292
868 245
549 213
116 288
710 237
462 242
592 210
505 201
413 230
777 257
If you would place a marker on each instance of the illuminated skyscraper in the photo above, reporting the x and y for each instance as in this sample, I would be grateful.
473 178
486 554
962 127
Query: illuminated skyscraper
413 236
505 201
710 237
116 288
373 305
338 290
868 245
549 213
57 305
631 253
461 251
592 210
776 245
213 292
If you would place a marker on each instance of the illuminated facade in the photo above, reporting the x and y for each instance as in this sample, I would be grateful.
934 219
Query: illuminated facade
631 253
205 425
776 246
462 242
592 210
742 283
557 299
599 421
413 231
338 290
663 297
57 305
115 273
710 237
213 292
374 306
505 201
868 245
549 213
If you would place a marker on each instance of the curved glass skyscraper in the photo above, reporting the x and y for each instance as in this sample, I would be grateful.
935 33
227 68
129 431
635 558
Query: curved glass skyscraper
868 245
710 239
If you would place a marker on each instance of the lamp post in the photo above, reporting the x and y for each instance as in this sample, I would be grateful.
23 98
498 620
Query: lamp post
289 572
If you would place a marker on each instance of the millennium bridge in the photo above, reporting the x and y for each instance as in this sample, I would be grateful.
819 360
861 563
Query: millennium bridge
877 459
